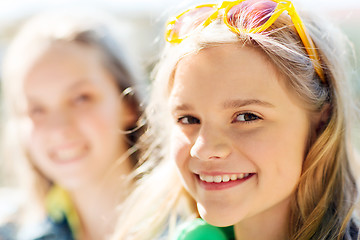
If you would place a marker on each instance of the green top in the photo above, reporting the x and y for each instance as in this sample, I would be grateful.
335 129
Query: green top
201 230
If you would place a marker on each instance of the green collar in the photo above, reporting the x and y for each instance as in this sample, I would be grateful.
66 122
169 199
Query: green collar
198 229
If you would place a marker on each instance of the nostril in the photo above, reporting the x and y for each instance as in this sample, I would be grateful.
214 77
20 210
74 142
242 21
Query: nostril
210 145
210 152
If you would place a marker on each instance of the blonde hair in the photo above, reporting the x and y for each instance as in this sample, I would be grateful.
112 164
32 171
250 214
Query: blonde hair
83 29
323 202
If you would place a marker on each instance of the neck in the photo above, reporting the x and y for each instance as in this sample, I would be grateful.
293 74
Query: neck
96 203
269 225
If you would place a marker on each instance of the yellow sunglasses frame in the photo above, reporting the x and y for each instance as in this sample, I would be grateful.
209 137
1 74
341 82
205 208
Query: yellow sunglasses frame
282 5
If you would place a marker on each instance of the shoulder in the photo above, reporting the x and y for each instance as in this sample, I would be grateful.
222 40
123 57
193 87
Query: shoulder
45 230
8 231
352 230
198 229
10 201
9 205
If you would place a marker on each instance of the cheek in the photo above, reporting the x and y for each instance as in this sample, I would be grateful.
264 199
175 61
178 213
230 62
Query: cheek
36 149
179 149
34 138
180 153
100 125
35 144
280 154
274 152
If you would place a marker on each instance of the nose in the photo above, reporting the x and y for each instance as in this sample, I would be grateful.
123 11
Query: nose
59 125
59 119
211 143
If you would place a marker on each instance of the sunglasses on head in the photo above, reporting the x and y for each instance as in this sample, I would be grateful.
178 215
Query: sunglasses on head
249 16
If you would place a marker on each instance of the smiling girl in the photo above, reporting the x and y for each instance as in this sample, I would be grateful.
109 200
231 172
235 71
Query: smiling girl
68 92
251 106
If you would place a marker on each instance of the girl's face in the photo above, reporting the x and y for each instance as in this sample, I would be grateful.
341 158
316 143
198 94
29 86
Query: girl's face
75 113
239 136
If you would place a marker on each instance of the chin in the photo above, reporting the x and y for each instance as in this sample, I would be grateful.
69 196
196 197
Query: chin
73 183
217 217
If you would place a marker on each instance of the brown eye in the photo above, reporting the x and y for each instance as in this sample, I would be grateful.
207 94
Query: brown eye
246 117
188 120
37 113
82 98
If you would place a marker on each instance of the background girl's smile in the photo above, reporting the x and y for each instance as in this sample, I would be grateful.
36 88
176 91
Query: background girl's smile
69 153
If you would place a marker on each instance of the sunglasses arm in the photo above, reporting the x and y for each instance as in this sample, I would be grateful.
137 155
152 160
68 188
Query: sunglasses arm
307 41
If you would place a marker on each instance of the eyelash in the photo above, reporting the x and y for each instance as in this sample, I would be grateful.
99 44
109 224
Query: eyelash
254 117
180 120
82 98
194 120
36 111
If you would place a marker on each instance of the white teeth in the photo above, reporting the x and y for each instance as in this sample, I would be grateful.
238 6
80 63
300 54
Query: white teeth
225 178
68 154
217 179
222 178
233 177
209 179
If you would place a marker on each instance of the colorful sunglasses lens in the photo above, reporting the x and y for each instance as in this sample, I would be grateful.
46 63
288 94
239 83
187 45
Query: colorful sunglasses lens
250 14
188 22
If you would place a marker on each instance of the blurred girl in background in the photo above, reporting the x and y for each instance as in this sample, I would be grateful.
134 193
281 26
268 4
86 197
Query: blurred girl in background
71 105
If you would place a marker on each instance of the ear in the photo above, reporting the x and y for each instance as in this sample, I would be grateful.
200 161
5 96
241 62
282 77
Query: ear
129 115
322 119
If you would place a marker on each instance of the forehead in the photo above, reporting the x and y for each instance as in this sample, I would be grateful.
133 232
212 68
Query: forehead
61 55
225 64
65 51
64 64
228 71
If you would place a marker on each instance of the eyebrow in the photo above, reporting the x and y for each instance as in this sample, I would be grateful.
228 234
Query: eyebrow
69 89
238 103
78 84
183 107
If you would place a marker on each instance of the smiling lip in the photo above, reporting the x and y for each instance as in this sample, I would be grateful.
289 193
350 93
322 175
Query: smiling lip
68 155
220 182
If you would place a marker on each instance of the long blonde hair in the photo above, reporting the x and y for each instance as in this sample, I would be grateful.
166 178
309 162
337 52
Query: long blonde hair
324 200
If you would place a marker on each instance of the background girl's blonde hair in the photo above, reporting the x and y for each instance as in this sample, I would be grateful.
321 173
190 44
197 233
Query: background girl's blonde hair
85 29
323 202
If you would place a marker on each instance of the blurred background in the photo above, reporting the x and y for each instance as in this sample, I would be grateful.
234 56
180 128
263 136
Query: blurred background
144 19
142 23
